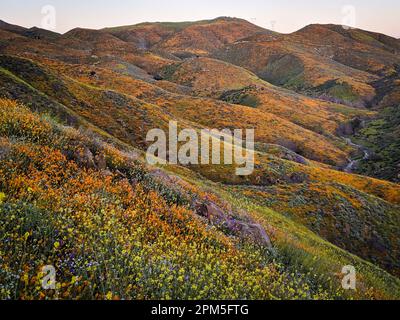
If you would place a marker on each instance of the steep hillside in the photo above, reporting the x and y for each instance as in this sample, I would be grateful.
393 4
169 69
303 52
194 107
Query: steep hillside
60 189
322 117
127 117
185 39
202 39
324 61
371 52
84 46
120 225
122 116
216 79
209 77
287 63
148 34
381 137
347 210
128 123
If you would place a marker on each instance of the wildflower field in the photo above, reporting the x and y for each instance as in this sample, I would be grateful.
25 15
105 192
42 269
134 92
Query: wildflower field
108 234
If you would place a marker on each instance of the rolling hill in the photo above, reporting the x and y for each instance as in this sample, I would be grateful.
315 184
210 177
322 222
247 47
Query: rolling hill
74 112
319 59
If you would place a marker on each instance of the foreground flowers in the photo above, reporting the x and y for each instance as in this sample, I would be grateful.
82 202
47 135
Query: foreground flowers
113 233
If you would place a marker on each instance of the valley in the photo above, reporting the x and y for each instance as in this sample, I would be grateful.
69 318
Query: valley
77 192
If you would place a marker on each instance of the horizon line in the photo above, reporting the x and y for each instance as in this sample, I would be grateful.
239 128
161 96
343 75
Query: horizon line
194 21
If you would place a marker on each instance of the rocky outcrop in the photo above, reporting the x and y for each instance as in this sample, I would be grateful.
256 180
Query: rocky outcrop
254 232
86 159
100 162
245 230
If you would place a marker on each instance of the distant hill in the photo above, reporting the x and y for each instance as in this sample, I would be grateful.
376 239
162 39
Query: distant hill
34 32
323 60
11 27
187 38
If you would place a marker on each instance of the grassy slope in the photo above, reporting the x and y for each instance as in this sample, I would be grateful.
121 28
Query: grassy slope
320 60
381 137
356 213
131 114
93 226
51 204
214 78
270 174
299 247
275 60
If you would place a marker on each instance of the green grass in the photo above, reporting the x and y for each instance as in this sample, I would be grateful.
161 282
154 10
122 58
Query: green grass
240 97
338 90
381 136
301 249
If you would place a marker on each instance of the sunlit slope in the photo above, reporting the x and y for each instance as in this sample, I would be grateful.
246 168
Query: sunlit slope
56 197
201 39
127 117
122 116
185 38
216 79
356 213
111 230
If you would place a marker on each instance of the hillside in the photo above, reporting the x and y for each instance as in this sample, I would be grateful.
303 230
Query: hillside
76 190
126 116
202 39
186 39
322 60
132 221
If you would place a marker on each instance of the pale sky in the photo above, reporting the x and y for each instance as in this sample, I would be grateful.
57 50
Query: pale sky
282 16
